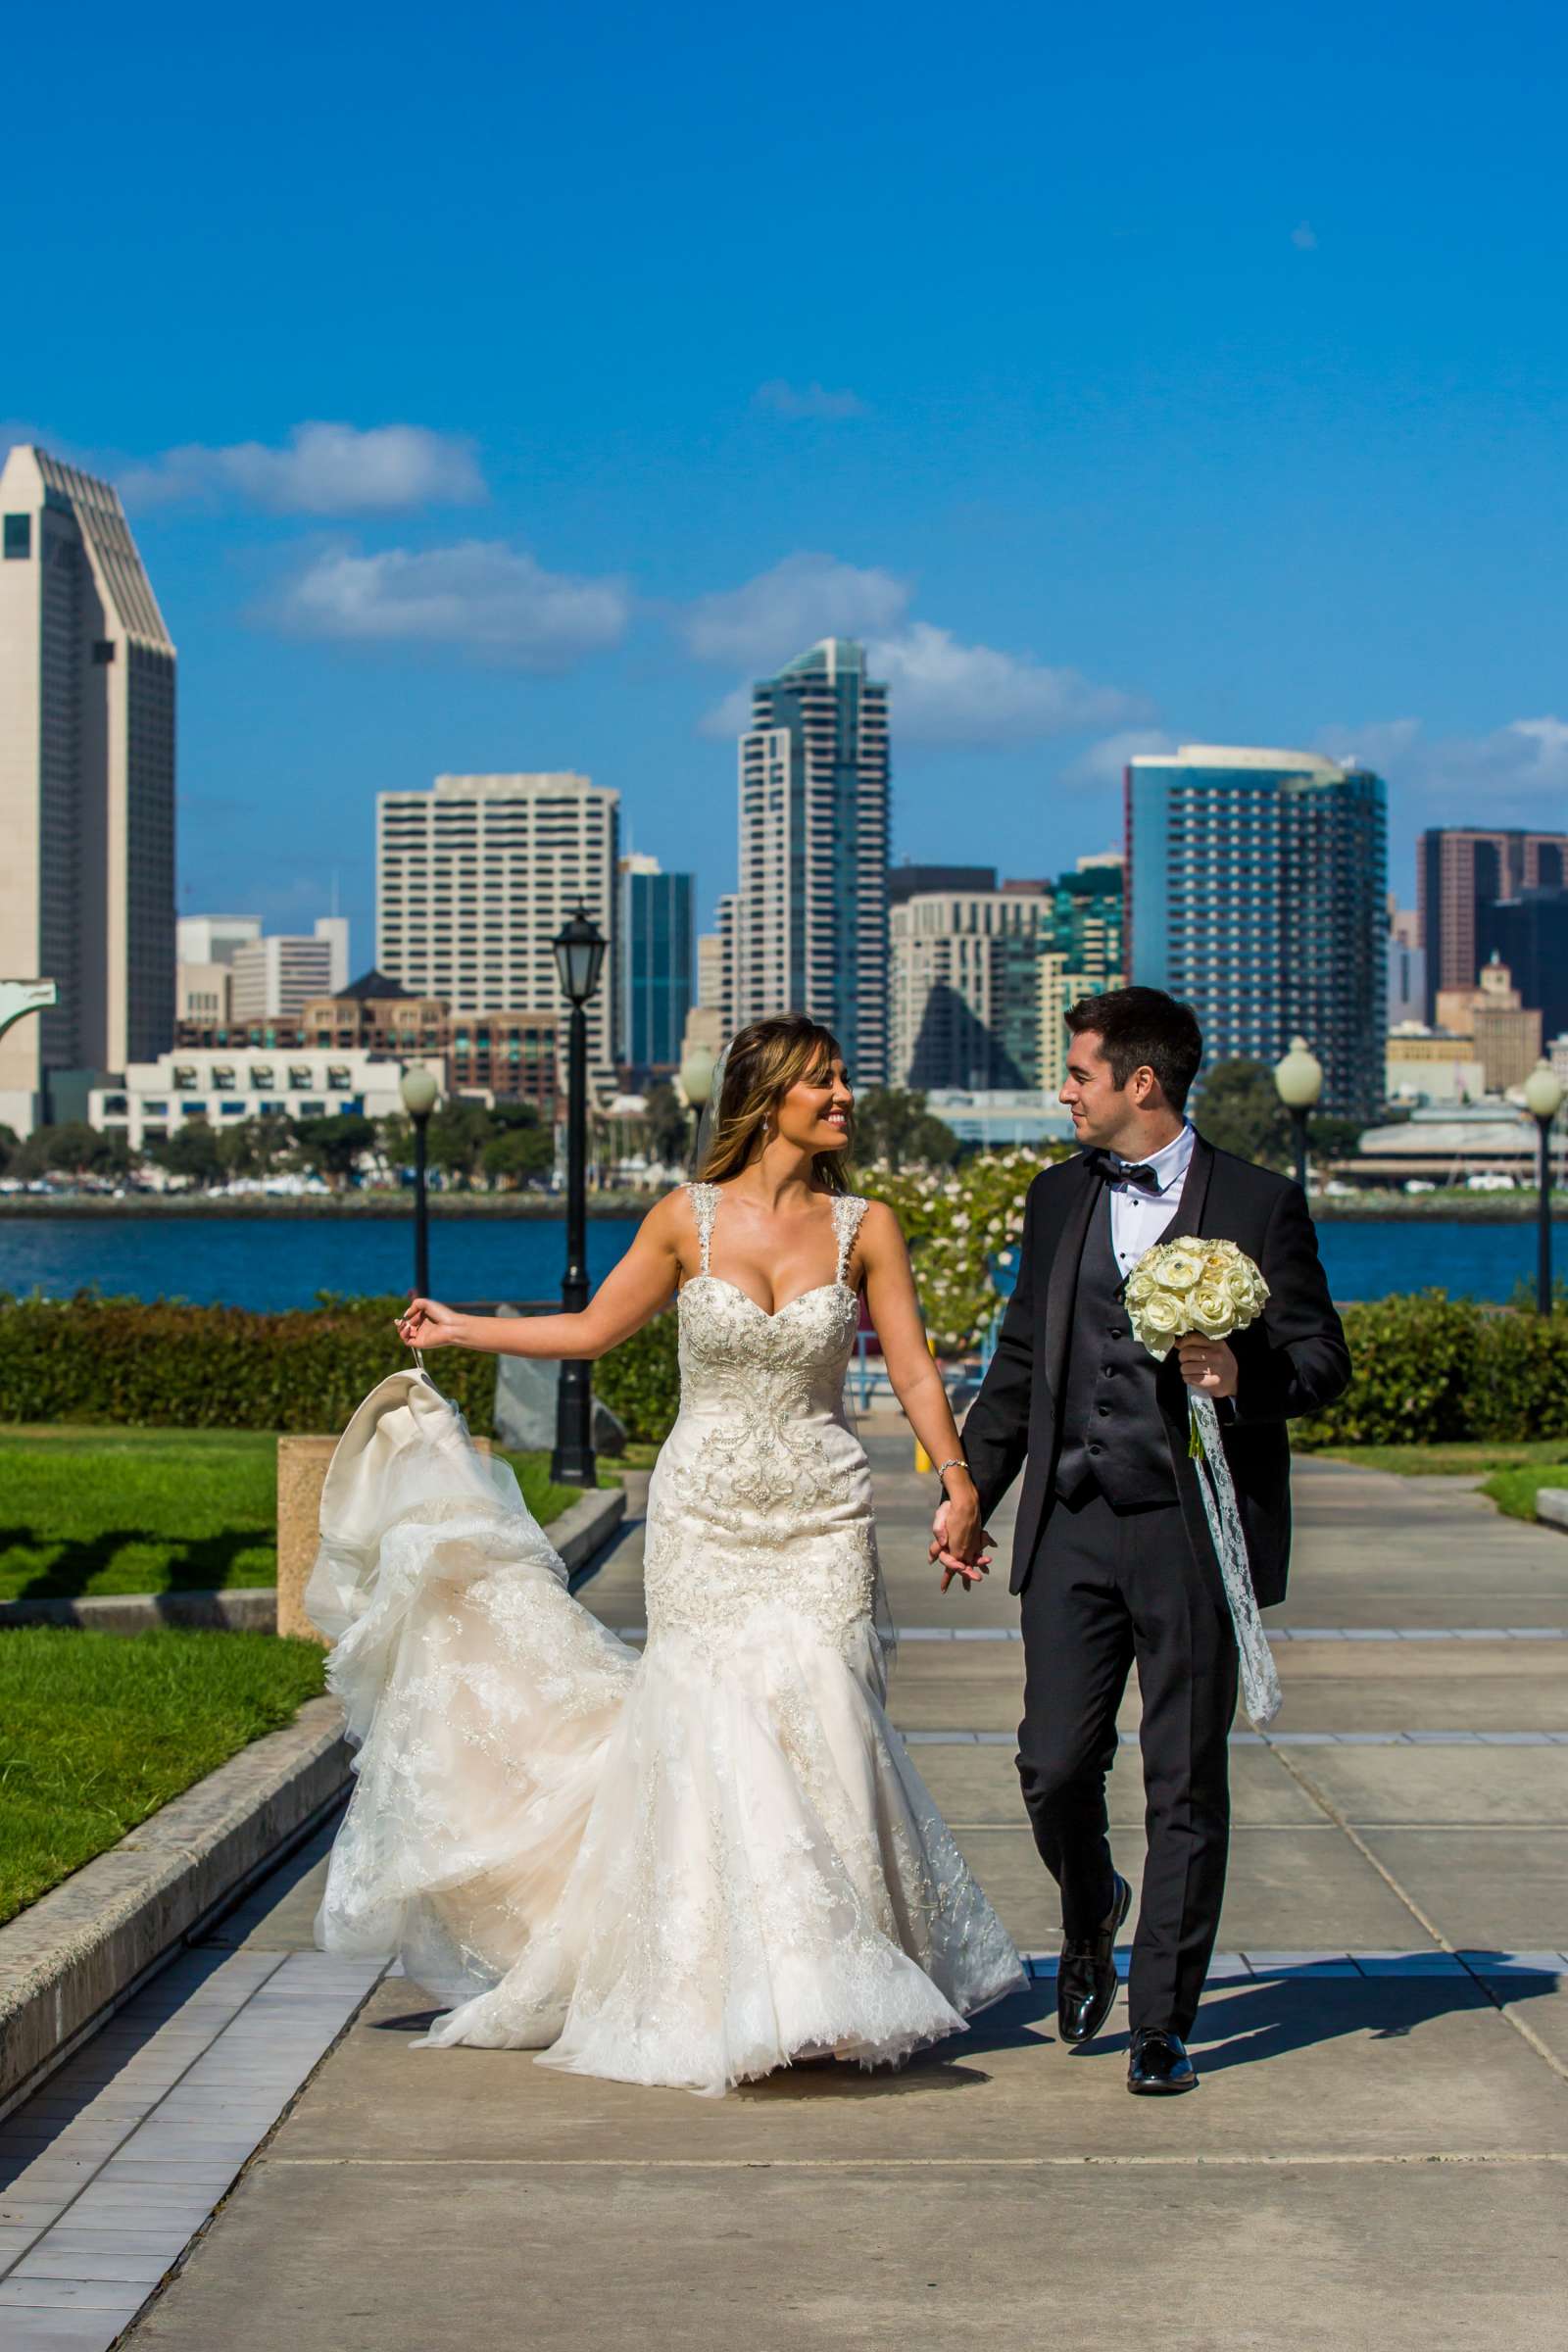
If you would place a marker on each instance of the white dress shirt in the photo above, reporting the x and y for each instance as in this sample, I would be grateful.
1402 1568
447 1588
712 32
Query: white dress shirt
1138 1217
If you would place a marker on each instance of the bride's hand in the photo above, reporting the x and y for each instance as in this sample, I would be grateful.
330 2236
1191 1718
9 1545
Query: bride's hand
426 1323
958 1541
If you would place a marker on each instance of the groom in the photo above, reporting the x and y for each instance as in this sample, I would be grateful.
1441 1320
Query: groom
1112 1555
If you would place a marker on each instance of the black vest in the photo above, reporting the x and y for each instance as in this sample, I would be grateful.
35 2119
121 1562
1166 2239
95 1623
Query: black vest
1113 1430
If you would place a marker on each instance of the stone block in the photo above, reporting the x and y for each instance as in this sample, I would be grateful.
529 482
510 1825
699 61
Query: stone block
1552 1505
525 1409
302 1467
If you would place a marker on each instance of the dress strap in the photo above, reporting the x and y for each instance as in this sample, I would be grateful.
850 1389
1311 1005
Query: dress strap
705 1201
848 1211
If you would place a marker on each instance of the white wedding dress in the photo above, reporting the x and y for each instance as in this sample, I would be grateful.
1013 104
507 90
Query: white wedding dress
685 1867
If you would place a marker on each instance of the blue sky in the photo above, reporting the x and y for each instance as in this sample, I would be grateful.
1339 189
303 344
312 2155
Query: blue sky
501 388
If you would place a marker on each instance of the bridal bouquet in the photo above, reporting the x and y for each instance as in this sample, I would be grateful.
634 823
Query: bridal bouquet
1193 1290
1190 1289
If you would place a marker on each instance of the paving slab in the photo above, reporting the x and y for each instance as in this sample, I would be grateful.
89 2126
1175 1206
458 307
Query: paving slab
781 2257
1476 1787
1502 1886
978 1786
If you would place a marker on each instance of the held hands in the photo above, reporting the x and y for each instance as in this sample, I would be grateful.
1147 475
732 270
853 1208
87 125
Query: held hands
426 1323
958 1541
1210 1366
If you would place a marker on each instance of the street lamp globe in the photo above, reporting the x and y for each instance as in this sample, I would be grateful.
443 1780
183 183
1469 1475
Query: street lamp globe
1544 1093
419 1091
697 1076
1299 1076
579 947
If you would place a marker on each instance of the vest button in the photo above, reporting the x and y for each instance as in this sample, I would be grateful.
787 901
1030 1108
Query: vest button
1102 1408
1094 1448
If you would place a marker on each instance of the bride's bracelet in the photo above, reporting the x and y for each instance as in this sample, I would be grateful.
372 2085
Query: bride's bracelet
957 1463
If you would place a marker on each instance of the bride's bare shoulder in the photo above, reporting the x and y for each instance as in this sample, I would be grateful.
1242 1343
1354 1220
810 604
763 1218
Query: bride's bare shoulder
879 1231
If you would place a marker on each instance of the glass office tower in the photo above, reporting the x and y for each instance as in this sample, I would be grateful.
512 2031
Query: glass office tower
1257 886
811 916
658 965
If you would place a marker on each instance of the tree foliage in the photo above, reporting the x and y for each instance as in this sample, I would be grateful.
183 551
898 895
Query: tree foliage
893 1126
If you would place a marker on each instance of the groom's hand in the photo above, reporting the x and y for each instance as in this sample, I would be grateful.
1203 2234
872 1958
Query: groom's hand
959 1546
1210 1366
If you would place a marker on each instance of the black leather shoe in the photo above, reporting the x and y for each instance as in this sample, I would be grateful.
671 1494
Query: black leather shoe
1158 2066
1086 1977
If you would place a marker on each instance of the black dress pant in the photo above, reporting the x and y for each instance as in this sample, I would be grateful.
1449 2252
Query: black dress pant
1107 1588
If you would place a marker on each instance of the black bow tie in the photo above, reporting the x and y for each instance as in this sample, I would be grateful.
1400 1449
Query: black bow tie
1115 1171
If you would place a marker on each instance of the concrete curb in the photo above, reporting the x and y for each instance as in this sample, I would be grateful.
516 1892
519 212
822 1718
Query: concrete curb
576 1535
253 1610
1551 1506
74 1957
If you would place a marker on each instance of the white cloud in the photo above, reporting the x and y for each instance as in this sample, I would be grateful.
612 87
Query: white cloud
731 716
1104 762
1515 775
940 691
1303 236
797 401
324 469
777 615
492 602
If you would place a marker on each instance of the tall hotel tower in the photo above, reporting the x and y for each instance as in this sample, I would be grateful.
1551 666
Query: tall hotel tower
86 788
1257 883
811 915
474 880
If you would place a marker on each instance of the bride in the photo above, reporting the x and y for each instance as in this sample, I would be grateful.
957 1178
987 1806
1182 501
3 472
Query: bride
695 1866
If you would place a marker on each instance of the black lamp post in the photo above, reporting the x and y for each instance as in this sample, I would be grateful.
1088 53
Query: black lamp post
421 1094
579 957
1299 1079
1544 1093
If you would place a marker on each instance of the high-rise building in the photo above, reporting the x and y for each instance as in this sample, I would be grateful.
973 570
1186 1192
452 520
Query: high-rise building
657 976
1462 870
711 970
475 877
962 969
86 785
1504 1032
214 937
980 978
273 978
811 906
908 881
1257 893
1530 933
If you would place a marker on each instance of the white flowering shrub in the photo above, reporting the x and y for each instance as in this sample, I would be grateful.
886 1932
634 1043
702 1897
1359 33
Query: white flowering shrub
956 1222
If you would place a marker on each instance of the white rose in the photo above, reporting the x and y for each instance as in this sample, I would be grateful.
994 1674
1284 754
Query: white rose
1180 1270
1213 1313
1140 1287
1159 1315
1240 1286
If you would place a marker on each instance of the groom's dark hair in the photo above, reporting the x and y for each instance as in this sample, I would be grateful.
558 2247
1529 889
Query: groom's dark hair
1143 1027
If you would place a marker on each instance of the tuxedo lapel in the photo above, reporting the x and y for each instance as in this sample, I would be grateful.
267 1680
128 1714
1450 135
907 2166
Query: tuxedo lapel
1188 1222
1063 1281
1186 1225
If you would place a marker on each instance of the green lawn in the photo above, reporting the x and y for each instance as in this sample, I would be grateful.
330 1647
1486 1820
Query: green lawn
98 1731
157 1510
1465 1458
1514 1490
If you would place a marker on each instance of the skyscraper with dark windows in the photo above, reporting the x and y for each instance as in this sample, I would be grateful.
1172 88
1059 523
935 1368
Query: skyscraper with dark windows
810 911
1463 870
658 975
1256 892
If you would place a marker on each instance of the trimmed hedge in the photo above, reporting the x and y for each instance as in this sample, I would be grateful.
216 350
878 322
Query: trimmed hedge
640 1379
164 1366
1428 1369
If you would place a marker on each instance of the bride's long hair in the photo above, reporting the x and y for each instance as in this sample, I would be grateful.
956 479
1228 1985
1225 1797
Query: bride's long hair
762 1062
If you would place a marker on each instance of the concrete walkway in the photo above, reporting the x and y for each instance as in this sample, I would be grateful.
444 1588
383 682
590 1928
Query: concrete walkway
1377 2155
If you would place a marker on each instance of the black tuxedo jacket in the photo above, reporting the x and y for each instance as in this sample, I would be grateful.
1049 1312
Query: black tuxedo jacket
1293 1360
